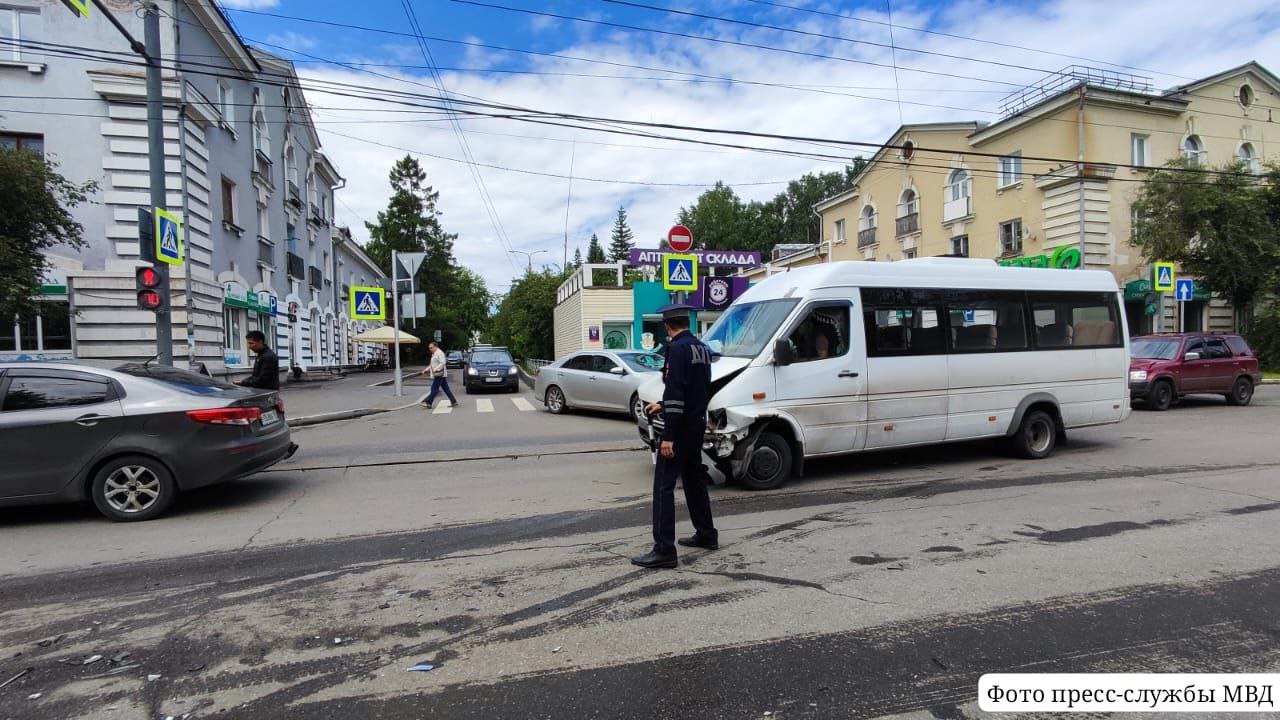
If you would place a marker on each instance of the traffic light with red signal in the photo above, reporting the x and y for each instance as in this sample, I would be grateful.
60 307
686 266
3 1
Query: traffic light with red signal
148 281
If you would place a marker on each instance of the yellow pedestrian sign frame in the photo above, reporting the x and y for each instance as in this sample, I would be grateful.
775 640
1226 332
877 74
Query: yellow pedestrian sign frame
1163 279
79 7
680 272
168 238
368 303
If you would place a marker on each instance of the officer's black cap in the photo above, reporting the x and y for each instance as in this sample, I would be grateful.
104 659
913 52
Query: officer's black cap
675 310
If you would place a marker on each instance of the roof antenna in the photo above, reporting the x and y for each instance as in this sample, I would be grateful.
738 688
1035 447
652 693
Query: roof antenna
149 360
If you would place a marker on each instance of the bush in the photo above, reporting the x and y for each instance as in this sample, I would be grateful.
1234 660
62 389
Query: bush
1264 336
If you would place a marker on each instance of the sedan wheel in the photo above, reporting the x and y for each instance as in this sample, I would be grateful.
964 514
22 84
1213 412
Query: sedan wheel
133 488
637 407
555 400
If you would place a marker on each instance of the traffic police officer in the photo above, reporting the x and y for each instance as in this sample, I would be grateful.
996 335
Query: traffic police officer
687 377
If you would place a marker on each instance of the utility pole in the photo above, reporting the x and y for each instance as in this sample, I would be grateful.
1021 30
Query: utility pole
155 157
395 312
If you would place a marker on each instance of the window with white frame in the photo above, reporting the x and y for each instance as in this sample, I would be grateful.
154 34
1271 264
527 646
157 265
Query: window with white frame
867 220
1011 169
261 135
958 185
1011 237
264 223
840 232
1248 157
18 27
232 328
1140 150
909 203
227 102
312 191
1193 150
960 245
291 168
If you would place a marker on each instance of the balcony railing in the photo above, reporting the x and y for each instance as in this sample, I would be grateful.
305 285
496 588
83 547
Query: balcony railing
866 237
908 224
317 278
297 269
266 252
262 168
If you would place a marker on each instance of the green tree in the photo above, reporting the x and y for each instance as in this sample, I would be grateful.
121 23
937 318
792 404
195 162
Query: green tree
622 239
35 203
1220 228
595 253
720 220
577 257
524 321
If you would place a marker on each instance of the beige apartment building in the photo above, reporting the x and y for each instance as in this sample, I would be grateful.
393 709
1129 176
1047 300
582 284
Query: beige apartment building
1052 181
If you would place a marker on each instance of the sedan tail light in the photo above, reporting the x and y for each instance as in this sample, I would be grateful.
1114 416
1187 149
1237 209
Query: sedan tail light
280 404
226 416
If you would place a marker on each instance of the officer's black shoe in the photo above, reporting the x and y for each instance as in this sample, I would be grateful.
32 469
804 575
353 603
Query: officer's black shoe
653 560
697 541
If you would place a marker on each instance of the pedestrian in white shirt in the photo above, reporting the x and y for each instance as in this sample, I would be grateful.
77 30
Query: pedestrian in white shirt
439 376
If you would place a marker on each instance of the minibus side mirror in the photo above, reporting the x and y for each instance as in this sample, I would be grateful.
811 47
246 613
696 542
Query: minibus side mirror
782 353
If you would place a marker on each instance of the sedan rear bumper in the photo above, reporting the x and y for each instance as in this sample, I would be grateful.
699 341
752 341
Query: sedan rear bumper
211 464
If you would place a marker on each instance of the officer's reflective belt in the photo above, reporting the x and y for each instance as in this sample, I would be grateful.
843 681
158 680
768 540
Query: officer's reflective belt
673 407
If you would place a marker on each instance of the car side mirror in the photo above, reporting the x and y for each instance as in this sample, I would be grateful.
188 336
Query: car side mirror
782 353
1191 356
615 370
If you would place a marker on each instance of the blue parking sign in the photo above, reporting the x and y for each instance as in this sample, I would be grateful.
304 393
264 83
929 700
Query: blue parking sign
168 238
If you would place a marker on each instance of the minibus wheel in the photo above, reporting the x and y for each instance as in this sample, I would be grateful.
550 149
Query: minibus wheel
769 464
1036 436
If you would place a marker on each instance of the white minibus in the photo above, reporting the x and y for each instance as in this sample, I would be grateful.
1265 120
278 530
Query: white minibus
843 357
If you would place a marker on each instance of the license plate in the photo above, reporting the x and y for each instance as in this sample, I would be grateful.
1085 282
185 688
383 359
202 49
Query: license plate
497 379
270 417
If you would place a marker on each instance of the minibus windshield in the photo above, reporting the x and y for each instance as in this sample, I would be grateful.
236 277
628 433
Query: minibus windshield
743 330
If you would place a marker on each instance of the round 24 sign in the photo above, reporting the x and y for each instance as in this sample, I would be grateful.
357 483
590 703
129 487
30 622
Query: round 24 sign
680 238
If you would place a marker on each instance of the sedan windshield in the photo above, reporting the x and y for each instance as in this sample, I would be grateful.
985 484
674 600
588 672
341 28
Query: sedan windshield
1155 349
743 330
643 362
491 356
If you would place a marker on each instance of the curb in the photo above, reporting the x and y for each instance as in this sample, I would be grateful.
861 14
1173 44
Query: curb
1269 381
525 377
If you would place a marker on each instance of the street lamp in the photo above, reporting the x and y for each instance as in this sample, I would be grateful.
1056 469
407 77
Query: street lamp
528 255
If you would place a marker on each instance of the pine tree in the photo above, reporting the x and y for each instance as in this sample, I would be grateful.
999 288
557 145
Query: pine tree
622 239
595 253
577 257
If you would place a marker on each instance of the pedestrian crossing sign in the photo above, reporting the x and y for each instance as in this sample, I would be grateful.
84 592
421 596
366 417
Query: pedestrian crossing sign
368 303
168 238
1164 278
680 272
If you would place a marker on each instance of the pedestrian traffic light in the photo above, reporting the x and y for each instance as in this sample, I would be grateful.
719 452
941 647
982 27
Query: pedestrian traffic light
148 281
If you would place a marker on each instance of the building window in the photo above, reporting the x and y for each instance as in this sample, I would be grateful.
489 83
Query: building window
1193 150
264 223
232 328
908 150
261 136
33 143
17 26
291 170
290 238
1248 158
312 192
840 233
958 186
1245 96
960 246
227 102
909 254
1140 150
229 204
1011 169
908 220
1011 237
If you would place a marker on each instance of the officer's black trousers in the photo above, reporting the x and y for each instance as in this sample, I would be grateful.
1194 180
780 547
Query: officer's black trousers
686 464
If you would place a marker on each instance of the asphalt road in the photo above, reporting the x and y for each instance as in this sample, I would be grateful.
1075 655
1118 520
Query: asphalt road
879 585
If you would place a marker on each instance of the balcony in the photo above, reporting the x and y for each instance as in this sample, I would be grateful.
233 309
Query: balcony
294 198
346 291
296 268
866 237
956 209
317 277
262 169
316 217
266 252
907 224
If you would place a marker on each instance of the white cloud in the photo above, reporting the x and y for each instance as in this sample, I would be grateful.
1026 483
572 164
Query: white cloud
249 4
842 104
291 40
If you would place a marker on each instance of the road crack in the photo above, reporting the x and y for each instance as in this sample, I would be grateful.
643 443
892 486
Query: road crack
280 514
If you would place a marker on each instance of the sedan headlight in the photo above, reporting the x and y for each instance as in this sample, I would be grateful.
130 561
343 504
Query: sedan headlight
1137 376
511 370
471 371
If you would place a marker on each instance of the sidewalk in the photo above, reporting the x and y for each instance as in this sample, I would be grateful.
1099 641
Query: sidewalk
349 395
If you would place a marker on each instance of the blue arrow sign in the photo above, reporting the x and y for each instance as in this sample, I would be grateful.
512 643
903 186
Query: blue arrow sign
1186 290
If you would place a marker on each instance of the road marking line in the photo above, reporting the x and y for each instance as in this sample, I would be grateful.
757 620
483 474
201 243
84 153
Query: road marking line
522 404
483 405
444 409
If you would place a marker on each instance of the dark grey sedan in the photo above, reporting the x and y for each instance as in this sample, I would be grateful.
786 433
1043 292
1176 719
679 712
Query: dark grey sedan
131 438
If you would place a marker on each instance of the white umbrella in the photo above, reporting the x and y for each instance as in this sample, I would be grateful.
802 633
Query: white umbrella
386 335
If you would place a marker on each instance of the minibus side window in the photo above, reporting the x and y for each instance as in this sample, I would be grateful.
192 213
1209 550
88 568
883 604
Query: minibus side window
907 324
823 333
1075 320
987 321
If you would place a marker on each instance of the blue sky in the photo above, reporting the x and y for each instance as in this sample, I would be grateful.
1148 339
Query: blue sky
800 88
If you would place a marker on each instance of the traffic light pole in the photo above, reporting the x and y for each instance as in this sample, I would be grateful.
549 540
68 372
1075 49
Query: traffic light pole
155 156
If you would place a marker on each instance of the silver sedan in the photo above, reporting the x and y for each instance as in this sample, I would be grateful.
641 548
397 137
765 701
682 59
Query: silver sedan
597 380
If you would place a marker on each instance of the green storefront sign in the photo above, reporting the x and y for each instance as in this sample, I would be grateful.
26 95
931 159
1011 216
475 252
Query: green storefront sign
1064 258
235 296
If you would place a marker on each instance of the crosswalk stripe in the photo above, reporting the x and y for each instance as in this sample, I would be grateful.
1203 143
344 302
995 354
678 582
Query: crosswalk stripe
483 405
522 404
443 409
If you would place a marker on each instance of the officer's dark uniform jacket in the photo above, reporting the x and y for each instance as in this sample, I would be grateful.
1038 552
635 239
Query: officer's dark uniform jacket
688 387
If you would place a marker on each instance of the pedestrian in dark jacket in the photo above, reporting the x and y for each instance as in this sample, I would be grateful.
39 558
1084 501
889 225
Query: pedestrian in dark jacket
266 369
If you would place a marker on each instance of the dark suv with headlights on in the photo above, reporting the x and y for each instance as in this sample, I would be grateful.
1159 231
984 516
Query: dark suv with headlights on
491 367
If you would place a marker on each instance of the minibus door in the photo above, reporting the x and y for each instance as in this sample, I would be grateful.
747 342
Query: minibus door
824 386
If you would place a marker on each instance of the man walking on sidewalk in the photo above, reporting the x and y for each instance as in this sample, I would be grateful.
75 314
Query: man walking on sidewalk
439 370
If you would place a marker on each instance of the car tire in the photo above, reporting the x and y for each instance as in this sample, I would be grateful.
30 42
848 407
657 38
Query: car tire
1161 396
1241 392
770 463
554 400
133 488
635 408
1036 437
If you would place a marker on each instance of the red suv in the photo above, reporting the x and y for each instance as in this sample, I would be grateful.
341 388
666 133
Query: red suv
1163 368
